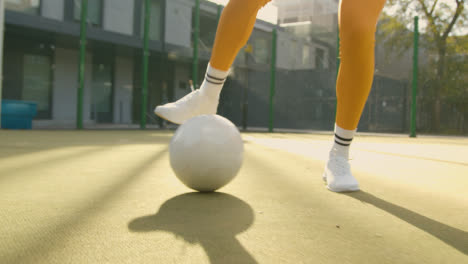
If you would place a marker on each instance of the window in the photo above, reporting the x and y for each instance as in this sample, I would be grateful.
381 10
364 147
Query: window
102 89
94 11
25 6
208 26
290 20
29 75
305 55
319 58
261 50
155 26
293 52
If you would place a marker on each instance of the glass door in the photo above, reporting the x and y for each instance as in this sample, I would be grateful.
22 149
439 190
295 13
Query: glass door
37 83
102 92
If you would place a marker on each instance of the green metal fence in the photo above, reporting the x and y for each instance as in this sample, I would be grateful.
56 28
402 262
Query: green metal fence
285 80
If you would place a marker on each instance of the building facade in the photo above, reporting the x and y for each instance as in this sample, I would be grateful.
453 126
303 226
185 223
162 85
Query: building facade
41 57
41 60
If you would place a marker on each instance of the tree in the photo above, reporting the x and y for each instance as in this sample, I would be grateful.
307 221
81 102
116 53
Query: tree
441 18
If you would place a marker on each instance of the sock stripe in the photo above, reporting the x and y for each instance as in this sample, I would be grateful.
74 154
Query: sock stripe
214 80
343 139
342 144
217 79
210 81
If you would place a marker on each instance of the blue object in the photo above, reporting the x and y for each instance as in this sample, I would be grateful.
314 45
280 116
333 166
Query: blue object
18 114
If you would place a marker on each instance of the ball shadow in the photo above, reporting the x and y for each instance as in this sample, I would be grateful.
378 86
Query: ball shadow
209 219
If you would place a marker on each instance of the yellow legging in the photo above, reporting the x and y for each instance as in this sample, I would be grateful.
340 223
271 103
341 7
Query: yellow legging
357 22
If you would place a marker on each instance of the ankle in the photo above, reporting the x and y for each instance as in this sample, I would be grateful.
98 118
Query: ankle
212 92
338 151
213 82
342 142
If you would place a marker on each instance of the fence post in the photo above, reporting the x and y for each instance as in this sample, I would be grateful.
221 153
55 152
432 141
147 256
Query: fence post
338 62
196 35
81 73
144 83
272 78
2 23
415 77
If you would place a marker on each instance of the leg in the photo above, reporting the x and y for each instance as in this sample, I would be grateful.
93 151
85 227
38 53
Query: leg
357 22
234 29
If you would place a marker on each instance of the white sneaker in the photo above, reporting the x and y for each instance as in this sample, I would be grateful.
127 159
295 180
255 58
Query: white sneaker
338 175
193 104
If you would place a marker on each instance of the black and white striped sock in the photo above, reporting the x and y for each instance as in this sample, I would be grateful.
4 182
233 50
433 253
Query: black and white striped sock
214 81
343 139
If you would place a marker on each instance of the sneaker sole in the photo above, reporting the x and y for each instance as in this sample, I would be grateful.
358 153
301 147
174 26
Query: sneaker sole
343 190
339 190
165 118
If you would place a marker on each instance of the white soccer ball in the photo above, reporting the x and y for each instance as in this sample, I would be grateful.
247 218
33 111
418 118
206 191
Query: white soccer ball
206 152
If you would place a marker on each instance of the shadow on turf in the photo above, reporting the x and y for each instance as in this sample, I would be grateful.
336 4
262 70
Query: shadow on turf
56 234
13 143
452 236
211 219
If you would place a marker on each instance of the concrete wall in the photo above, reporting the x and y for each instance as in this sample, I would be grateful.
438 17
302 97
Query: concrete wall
297 54
123 89
52 9
118 16
179 22
64 95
